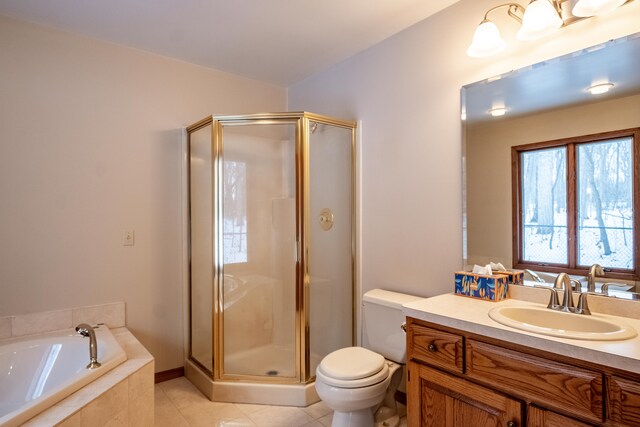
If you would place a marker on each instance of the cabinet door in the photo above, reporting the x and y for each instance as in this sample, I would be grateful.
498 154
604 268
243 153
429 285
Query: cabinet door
624 401
537 417
437 399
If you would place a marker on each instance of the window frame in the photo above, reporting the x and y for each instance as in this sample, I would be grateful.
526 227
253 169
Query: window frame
571 181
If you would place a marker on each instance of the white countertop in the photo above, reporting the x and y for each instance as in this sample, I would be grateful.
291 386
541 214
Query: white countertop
471 315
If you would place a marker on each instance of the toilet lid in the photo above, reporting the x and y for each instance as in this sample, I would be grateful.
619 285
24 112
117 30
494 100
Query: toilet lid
351 363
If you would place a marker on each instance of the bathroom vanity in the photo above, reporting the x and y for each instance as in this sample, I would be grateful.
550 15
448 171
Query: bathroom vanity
464 369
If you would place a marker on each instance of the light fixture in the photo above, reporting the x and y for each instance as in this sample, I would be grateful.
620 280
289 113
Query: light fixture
599 88
586 8
498 111
486 39
538 19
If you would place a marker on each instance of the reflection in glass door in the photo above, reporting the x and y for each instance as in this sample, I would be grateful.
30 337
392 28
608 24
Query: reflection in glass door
258 230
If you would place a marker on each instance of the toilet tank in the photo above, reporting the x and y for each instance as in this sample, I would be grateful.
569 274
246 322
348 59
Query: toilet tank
382 320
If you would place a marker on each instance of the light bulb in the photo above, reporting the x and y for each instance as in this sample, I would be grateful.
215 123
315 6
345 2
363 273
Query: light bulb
585 8
599 88
540 18
486 40
498 111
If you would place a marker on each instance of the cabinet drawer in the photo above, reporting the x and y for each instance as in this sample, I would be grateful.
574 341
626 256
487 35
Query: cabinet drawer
436 348
624 401
558 386
538 417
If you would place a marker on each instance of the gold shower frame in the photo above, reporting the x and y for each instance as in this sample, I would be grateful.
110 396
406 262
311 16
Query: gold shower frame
303 236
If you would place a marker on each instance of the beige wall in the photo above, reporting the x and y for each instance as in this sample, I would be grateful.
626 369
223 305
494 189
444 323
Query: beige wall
489 143
90 145
406 91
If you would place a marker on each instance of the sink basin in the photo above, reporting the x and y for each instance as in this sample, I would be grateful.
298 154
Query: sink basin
560 324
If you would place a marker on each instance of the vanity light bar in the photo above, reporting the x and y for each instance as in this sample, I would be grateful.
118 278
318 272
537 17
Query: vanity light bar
538 19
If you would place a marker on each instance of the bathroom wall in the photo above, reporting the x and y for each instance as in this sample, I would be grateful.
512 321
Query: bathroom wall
90 146
406 91
491 142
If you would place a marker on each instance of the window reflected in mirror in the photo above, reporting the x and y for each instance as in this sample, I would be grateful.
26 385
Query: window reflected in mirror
574 204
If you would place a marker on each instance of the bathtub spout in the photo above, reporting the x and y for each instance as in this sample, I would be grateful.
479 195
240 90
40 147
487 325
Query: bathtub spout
87 331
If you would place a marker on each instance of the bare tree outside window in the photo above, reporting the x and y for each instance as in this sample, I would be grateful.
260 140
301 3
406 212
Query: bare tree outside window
544 207
605 191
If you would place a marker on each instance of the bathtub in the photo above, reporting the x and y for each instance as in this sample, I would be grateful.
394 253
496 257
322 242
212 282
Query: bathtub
38 371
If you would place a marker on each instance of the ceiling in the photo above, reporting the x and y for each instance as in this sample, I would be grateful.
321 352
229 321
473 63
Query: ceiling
559 82
277 41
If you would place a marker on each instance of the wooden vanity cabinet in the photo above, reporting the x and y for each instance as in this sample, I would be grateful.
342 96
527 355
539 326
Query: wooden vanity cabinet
624 401
538 417
459 379
446 400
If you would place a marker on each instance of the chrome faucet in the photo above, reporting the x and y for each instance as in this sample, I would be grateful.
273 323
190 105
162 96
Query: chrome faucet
87 331
596 270
564 282
533 275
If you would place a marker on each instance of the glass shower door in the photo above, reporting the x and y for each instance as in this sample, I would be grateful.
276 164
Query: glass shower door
201 240
258 298
330 282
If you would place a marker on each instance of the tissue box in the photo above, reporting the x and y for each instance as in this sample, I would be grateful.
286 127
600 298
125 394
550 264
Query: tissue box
516 277
487 287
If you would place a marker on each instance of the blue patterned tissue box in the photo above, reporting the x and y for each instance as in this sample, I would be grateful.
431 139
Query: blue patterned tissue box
482 286
516 277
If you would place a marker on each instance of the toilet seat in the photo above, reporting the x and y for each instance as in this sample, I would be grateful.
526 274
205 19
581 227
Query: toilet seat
352 367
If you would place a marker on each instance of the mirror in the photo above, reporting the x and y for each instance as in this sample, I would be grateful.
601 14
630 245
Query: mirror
543 102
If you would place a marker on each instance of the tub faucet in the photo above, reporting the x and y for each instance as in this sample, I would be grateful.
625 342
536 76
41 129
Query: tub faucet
87 331
595 270
534 276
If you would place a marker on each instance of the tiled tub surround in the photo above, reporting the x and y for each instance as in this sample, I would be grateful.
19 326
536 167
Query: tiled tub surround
123 396
112 315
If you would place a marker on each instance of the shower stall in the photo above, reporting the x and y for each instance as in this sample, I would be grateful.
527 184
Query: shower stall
271 253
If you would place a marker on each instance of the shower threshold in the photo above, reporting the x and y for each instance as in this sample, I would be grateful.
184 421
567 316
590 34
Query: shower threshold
300 395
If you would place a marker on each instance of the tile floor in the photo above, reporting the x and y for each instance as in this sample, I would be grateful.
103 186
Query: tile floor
180 404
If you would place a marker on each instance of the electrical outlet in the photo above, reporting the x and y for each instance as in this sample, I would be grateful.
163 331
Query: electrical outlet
128 238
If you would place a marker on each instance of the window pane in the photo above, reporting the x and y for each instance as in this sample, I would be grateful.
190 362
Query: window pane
544 206
605 203
235 212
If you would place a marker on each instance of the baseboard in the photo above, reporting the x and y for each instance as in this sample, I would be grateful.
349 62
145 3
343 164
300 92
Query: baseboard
169 375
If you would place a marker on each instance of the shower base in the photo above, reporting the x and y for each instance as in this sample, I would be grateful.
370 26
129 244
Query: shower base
252 392
269 360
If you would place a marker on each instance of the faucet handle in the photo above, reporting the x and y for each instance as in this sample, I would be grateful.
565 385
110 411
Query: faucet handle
577 286
604 290
553 299
583 303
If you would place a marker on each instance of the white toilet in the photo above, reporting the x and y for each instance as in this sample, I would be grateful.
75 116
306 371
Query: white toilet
354 381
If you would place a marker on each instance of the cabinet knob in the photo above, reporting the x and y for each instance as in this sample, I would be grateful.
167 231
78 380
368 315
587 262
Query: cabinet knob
511 424
432 348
